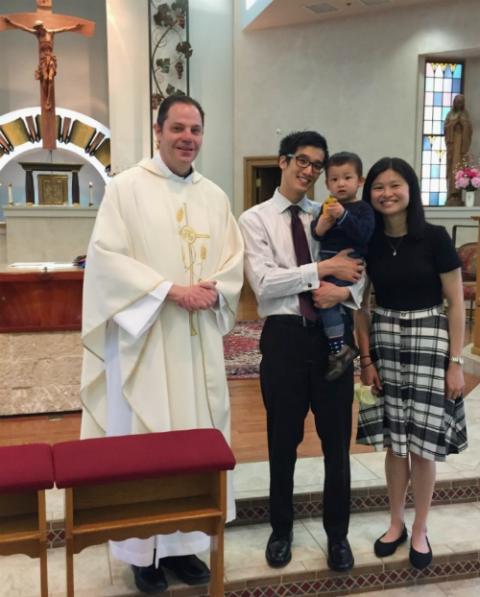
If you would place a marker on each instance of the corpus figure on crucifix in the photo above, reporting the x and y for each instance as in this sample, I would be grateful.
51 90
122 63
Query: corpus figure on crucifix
47 66
44 25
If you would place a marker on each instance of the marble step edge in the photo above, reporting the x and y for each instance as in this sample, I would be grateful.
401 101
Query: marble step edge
309 505
363 499
368 576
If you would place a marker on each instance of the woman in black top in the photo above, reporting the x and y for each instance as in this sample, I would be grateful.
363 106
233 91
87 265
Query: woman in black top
411 354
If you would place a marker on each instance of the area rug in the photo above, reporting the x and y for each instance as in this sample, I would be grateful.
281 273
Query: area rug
242 356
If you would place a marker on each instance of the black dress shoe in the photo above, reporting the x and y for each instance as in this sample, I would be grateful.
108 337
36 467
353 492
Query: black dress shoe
149 579
279 550
189 569
420 560
383 549
340 555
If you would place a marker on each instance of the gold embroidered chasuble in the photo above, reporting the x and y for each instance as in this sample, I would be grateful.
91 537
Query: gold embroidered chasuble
152 229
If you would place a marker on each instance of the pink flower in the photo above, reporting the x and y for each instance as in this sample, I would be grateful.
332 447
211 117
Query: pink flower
467 177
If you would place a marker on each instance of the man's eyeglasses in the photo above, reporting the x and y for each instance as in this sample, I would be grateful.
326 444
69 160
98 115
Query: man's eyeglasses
303 162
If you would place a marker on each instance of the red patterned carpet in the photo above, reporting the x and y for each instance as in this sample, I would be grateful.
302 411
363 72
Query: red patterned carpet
242 357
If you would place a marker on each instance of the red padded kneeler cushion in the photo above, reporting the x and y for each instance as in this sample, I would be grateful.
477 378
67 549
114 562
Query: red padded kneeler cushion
124 458
26 468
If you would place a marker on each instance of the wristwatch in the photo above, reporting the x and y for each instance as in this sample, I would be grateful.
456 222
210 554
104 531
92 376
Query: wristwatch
458 360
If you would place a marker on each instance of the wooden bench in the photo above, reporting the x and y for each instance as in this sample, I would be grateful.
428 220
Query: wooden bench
143 485
25 472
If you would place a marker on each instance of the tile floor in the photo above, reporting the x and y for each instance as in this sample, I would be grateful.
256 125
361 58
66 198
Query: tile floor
452 528
459 588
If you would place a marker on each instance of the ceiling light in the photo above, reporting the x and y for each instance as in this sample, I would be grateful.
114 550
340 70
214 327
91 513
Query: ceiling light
375 2
321 8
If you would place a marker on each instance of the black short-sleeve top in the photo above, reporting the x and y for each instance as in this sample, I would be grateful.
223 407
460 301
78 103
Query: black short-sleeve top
410 279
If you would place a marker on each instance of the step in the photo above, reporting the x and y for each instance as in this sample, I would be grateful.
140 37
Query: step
455 487
468 587
453 533
458 480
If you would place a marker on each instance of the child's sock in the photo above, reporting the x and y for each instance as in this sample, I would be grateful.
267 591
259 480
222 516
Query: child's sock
335 345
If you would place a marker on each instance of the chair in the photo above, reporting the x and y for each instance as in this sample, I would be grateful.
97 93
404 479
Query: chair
467 254
143 485
25 472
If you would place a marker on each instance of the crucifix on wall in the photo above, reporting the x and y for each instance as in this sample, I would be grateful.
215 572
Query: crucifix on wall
44 24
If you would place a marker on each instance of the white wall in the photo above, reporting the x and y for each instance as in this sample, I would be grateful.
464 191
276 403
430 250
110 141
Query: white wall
211 83
14 173
128 81
84 76
81 82
356 80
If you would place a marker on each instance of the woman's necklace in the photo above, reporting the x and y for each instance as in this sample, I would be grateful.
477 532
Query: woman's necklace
394 243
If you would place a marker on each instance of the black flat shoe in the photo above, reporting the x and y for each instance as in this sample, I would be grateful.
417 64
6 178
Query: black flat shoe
149 579
279 550
420 560
189 569
340 555
383 549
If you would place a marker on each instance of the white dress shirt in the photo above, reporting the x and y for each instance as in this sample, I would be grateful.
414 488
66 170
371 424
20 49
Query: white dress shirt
270 260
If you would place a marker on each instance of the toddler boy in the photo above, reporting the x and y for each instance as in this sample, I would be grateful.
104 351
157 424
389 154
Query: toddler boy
344 222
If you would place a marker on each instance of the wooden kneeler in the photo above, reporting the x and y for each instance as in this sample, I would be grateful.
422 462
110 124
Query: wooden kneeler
143 485
25 472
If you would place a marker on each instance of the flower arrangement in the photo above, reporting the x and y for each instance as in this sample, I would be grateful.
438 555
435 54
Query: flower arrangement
467 177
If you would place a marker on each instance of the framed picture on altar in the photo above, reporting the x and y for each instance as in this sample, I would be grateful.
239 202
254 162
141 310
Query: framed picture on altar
52 189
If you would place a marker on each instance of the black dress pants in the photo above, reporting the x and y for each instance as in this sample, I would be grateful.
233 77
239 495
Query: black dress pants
292 376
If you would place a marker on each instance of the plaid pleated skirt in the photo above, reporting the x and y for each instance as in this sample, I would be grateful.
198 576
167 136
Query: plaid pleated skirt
411 353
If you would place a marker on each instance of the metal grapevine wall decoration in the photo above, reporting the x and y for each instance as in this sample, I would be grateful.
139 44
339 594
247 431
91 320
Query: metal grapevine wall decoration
169 50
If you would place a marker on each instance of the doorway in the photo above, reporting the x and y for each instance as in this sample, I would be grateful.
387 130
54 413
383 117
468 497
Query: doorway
261 176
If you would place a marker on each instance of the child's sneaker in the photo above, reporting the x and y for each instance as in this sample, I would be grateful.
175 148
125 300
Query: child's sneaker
338 363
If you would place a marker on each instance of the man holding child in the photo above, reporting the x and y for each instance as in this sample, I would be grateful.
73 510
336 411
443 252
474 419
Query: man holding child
282 266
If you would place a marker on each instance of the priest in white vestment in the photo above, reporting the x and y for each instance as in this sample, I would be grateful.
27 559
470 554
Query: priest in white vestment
162 282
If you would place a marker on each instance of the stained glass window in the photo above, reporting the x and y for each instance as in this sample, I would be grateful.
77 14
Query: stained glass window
443 81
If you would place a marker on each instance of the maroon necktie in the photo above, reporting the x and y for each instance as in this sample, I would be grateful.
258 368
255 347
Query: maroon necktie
302 253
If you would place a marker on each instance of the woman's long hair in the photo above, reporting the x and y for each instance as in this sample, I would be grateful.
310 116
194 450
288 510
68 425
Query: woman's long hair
415 212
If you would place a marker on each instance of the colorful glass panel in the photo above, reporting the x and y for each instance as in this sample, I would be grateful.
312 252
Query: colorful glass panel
442 82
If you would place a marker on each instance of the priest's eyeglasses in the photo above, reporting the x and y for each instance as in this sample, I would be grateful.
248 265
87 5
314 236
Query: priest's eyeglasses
303 162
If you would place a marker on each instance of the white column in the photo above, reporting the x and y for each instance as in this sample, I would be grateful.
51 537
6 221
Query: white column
211 83
128 81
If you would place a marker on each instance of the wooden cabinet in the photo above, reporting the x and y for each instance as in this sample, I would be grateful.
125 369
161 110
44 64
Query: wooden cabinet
40 301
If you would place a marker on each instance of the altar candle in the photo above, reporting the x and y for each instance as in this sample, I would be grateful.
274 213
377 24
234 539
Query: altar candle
10 194
90 193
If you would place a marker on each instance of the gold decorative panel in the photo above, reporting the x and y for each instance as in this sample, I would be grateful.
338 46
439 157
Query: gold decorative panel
81 134
52 189
103 153
15 131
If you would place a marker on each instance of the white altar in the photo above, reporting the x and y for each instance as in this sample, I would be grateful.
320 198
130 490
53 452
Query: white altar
455 216
60 233
45 233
